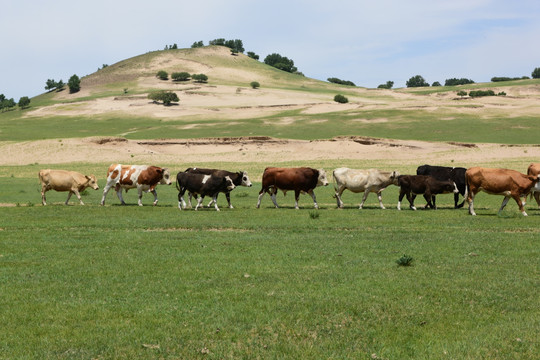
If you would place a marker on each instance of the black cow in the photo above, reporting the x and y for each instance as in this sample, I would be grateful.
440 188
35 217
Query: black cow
423 184
239 178
456 174
202 185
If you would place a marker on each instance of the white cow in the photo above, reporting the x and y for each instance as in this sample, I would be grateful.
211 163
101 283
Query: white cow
65 180
366 181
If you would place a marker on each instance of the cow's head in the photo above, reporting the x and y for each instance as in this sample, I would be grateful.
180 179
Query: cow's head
322 180
245 179
91 181
228 183
165 177
450 187
394 177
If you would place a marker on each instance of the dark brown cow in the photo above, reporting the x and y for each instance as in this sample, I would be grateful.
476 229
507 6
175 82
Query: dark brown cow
506 182
142 177
423 184
534 169
299 180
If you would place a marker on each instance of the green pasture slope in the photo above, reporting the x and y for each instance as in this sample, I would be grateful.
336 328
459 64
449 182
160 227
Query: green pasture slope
129 282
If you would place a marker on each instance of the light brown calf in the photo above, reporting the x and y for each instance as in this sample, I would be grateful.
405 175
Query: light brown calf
65 180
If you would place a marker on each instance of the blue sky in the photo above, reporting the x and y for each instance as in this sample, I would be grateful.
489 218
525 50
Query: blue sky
367 42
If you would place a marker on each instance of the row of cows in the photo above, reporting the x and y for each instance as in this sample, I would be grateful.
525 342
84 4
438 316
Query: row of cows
429 182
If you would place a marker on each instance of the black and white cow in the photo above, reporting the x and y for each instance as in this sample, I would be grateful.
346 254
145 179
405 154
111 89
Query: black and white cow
203 185
239 178
412 185
442 173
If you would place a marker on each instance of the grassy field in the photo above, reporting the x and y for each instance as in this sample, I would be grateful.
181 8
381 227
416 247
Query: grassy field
127 282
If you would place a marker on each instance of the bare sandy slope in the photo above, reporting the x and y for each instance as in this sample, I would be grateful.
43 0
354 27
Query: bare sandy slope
266 151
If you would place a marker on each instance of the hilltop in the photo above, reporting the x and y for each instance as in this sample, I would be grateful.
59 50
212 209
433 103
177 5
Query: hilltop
288 108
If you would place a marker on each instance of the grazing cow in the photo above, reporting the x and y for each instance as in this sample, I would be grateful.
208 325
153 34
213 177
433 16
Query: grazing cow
239 178
302 179
143 177
65 180
365 181
534 169
203 185
456 174
423 184
506 182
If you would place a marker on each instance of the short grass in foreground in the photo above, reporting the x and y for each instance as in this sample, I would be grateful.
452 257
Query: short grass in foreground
124 282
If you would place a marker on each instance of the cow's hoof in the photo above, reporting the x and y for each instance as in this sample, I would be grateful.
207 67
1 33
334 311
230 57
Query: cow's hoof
413 208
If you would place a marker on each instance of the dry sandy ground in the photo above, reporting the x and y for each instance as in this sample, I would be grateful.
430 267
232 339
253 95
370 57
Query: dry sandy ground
267 151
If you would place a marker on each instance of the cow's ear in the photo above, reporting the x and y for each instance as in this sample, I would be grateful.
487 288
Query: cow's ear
160 170
88 178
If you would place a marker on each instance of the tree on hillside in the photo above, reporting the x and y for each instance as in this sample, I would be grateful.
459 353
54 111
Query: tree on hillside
162 75
536 73
252 55
24 102
436 83
197 44
74 84
51 85
200 78
164 96
6 104
416 81
454 82
220 42
180 76
280 62
388 85
340 82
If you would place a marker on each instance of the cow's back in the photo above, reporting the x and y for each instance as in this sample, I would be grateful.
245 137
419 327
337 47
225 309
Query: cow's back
56 179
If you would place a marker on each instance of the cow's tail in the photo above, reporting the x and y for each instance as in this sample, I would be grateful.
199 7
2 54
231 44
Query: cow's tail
467 188
334 182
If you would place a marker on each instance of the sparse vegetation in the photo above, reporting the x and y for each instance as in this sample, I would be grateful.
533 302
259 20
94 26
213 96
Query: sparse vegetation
167 97
340 82
180 76
388 85
255 84
405 260
341 99
417 81
200 78
162 75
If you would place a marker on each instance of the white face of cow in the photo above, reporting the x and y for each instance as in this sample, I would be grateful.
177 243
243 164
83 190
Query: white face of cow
229 182
245 179
166 179
322 180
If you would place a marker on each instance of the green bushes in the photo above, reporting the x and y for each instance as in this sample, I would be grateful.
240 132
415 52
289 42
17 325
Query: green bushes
162 75
167 97
341 99
180 76
480 93
340 82
255 84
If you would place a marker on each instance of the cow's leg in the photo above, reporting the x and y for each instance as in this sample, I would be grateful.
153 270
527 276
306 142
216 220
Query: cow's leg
536 195
364 197
155 197
76 192
118 189
401 195
273 197
105 192
43 191
379 196
505 201
296 197
214 199
139 192
338 194
470 200
520 204
199 202
261 194
312 193
228 196
411 200
428 198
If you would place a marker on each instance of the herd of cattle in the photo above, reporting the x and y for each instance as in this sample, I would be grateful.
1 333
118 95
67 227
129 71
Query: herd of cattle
429 182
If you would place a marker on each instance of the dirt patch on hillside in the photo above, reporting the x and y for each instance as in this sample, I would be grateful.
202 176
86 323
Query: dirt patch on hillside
260 149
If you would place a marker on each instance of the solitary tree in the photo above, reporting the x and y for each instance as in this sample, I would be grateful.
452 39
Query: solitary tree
200 78
162 75
74 84
164 96
536 73
416 81
24 102
280 62
341 99
388 85
255 84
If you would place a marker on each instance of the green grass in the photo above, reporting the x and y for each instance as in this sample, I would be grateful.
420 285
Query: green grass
124 282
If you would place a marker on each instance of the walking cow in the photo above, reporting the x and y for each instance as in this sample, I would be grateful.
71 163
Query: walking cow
365 181
442 173
299 180
65 180
203 185
534 169
412 185
142 177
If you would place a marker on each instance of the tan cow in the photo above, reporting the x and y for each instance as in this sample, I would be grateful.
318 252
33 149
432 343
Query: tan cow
366 181
534 169
506 182
65 180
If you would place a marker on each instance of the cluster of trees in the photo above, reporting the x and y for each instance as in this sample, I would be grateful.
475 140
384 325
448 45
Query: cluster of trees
181 76
504 78
74 84
480 93
454 82
340 82
281 62
51 85
8 104
388 85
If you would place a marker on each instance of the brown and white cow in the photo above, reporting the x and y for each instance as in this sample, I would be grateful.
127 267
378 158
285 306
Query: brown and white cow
412 185
299 180
142 177
65 180
534 169
506 182
366 181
